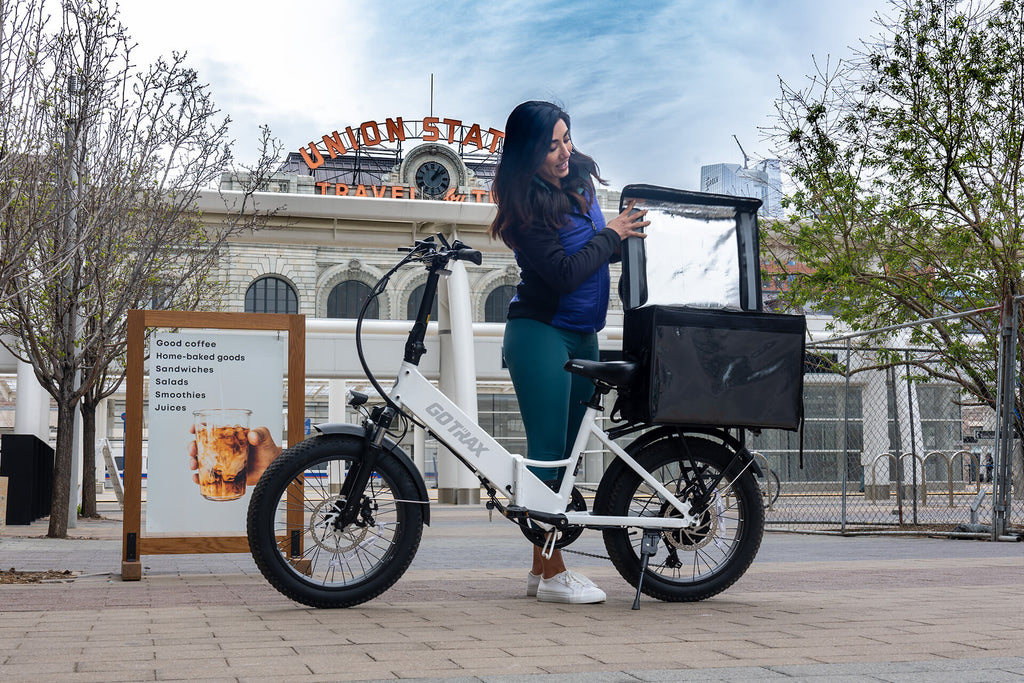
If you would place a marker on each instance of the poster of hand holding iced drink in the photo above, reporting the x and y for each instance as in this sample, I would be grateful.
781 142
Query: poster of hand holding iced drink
215 422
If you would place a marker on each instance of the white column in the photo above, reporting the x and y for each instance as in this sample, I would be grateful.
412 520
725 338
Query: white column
875 407
101 433
32 405
336 406
908 414
75 493
455 483
336 414
32 416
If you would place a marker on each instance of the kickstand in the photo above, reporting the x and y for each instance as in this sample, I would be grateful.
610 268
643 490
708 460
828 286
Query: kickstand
648 547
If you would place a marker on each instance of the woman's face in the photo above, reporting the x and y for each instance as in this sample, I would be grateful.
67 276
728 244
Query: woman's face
556 163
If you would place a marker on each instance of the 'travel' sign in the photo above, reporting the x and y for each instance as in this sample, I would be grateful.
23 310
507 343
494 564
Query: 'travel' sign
475 196
372 133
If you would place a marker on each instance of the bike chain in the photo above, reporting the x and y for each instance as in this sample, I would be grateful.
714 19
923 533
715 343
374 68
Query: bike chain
580 552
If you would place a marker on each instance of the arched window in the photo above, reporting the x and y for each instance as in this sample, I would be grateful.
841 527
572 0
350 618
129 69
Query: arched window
496 305
346 300
271 295
414 304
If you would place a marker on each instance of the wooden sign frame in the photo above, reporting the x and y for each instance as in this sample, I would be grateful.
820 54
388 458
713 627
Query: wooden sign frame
134 544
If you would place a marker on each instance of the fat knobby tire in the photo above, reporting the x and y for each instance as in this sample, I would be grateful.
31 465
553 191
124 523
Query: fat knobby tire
746 497
322 451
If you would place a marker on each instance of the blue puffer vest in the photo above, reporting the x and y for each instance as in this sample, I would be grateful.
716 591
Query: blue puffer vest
565 280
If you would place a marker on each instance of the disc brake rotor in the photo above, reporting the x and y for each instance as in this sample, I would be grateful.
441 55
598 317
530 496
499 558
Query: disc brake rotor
324 533
699 536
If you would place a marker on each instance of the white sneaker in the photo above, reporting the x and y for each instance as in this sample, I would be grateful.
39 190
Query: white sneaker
569 587
532 581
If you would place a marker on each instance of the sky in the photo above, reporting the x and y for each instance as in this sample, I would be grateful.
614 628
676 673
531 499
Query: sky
655 89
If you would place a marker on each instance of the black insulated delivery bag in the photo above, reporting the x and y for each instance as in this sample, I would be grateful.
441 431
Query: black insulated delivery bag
714 367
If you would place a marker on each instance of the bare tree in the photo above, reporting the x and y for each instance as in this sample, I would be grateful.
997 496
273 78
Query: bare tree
22 41
157 259
126 152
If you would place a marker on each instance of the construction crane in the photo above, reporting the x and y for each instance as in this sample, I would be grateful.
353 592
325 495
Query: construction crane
745 157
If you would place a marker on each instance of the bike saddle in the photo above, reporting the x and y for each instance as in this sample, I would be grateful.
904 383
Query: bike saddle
616 373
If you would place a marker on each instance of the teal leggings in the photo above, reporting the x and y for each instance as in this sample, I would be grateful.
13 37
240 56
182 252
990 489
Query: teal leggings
551 400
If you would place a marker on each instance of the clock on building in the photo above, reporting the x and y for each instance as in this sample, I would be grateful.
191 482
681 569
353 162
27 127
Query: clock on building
433 178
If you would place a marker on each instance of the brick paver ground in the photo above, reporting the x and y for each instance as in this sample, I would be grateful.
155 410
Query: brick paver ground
810 608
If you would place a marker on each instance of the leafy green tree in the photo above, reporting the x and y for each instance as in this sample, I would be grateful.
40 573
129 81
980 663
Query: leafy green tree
908 200
107 197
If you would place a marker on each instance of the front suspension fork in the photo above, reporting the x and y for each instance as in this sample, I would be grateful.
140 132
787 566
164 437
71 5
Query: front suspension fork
359 473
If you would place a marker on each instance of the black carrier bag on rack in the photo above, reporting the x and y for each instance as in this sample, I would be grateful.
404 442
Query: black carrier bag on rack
714 367
694 322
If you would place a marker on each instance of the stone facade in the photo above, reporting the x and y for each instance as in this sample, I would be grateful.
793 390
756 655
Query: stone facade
315 258
314 271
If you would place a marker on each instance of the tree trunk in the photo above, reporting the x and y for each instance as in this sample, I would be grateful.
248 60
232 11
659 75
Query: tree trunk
88 411
62 469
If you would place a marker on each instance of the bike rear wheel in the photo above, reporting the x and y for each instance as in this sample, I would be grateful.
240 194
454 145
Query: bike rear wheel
301 549
690 564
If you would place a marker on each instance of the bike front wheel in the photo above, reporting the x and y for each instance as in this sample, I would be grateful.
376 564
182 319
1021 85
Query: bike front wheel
690 563
298 543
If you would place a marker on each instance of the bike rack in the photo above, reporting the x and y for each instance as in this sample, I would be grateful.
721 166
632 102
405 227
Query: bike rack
874 469
949 475
977 460
921 463
898 461
767 478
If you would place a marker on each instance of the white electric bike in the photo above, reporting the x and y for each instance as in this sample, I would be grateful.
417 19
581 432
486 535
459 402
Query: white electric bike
336 519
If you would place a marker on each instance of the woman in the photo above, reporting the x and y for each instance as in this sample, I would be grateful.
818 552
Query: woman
548 215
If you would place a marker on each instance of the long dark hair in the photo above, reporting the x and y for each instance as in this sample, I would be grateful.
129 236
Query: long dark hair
524 200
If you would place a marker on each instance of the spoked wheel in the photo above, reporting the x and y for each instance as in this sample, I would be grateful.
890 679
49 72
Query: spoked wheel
700 561
296 536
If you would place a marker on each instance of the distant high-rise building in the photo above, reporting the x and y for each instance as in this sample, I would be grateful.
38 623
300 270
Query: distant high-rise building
763 181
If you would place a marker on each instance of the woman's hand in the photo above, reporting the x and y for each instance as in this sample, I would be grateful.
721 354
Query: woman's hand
627 225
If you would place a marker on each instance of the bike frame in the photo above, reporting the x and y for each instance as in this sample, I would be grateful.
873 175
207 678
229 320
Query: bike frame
508 473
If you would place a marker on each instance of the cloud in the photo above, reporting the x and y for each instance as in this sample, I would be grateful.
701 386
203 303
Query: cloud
655 89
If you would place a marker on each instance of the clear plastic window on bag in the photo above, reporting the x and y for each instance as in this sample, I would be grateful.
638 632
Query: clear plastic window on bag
691 259
701 250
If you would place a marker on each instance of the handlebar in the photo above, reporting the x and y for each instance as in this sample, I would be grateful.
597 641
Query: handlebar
466 254
428 249
436 255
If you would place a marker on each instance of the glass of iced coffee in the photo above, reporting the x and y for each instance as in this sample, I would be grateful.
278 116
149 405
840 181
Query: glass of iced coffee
222 442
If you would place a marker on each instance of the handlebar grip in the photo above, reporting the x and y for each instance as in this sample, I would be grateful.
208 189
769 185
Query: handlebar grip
471 255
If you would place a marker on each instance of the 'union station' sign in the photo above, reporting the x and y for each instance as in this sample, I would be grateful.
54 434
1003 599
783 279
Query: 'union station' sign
392 130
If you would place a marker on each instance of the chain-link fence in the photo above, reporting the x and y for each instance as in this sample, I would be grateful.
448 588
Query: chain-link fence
886 446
